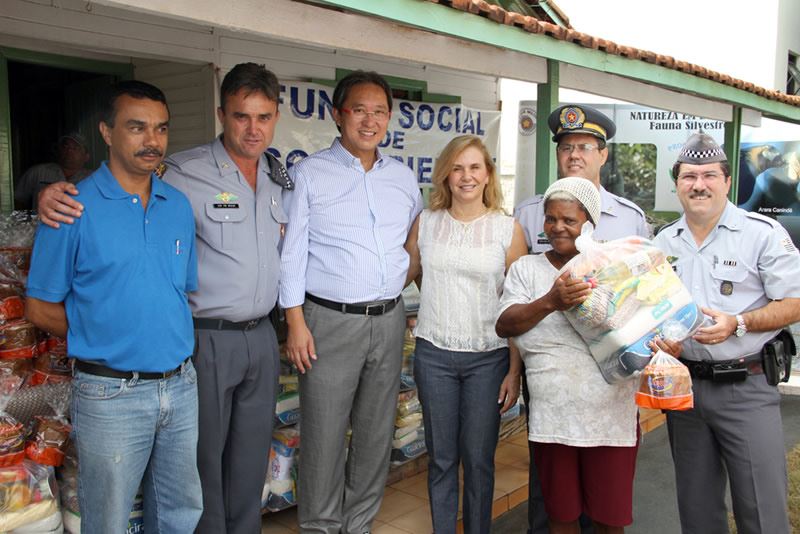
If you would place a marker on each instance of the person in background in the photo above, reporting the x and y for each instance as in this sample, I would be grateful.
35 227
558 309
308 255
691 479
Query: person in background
343 268
72 154
114 284
585 431
462 246
743 269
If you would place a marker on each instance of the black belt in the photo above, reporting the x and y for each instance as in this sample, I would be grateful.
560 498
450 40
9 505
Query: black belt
101 370
379 307
222 324
712 370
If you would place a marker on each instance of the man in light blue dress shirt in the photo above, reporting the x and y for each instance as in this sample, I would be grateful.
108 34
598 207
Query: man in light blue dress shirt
343 268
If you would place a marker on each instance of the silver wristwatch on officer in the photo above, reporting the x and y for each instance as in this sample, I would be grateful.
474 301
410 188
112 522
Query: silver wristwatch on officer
741 328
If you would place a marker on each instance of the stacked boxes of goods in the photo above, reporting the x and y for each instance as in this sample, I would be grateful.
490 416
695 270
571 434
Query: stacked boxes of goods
280 487
409 434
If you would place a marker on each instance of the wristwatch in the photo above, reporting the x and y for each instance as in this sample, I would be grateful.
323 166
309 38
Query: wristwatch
741 328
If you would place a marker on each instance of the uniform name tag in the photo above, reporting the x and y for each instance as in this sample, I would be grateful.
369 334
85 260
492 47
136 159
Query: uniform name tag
542 241
226 206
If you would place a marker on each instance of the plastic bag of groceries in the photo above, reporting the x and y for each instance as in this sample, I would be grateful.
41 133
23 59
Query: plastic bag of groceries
48 440
17 230
12 433
665 384
27 494
280 489
635 296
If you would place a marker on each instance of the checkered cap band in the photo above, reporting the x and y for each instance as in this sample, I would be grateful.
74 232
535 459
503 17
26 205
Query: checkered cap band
700 149
701 154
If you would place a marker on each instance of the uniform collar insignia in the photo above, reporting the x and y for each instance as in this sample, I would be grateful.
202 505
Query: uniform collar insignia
160 170
226 197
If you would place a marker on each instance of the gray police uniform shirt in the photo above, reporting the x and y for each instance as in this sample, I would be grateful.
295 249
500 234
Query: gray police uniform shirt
238 232
747 261
619 218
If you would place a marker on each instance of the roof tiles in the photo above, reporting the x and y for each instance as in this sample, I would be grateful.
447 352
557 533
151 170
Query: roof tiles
534 25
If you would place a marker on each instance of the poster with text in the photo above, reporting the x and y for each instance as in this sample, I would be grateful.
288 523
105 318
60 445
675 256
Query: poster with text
417 131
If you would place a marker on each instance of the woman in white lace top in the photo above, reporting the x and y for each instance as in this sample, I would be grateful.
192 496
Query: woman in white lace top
466 377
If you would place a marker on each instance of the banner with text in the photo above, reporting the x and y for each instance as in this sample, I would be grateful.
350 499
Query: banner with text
417 131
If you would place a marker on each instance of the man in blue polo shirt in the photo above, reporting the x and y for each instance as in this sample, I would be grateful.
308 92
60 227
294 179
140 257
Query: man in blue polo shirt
114 284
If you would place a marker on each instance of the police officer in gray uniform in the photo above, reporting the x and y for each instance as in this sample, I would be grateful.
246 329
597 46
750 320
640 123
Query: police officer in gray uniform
581 133
743 269
235 191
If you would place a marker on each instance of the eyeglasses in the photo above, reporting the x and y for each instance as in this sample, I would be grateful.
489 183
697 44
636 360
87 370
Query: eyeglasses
360 113
582 148
691 177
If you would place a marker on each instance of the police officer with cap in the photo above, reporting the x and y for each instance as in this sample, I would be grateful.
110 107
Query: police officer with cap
744 271
235 189
580 133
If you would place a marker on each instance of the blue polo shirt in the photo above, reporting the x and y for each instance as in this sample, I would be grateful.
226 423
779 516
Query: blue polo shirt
122 273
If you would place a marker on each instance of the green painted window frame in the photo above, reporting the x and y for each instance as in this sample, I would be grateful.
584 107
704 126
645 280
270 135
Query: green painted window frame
417 89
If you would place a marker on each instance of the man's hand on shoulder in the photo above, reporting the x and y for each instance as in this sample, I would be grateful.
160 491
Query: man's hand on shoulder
56 204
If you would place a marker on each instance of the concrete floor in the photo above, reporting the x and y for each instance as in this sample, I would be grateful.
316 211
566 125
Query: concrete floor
655 508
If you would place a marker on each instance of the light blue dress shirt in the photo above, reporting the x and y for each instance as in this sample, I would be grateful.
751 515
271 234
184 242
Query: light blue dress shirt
347 227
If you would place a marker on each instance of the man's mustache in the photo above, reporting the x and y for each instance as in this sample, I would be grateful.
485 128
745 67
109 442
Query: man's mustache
149 152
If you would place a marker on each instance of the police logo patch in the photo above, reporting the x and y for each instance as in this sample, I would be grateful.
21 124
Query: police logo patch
726 288
527 121
572 118
788 245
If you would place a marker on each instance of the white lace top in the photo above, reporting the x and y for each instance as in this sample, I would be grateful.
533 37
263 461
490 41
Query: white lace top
463 267
571 404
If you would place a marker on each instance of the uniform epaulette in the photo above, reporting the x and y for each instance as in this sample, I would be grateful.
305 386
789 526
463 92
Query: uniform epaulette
179 158
664 227
277 172
763 218
530 201
629 204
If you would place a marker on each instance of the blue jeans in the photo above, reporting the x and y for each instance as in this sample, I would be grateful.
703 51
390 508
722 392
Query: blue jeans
136 431
458 392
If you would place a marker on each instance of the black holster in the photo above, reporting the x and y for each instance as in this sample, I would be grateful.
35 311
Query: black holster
777 356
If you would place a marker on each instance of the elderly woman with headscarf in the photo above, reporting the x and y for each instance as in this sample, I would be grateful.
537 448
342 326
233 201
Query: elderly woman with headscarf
585 431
